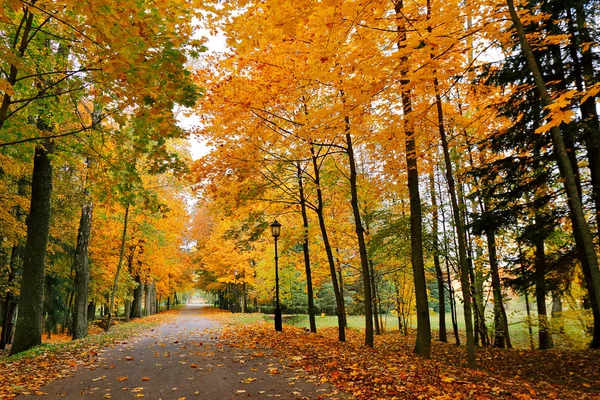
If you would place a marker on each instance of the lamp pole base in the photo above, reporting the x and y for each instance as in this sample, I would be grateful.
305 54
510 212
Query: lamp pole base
278 323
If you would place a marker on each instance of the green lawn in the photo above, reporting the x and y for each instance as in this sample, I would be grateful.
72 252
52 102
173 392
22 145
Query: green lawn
572 336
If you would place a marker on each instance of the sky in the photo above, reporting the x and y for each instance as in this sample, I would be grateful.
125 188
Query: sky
215 44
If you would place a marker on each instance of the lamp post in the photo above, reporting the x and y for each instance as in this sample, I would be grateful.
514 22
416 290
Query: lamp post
235 294
275 231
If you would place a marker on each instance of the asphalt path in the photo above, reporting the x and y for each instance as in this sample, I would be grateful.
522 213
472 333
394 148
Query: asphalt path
186 360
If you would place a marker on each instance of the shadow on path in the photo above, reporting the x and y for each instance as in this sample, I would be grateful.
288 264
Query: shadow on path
185 360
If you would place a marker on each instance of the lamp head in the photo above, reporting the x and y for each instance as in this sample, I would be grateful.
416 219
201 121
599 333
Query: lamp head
275 229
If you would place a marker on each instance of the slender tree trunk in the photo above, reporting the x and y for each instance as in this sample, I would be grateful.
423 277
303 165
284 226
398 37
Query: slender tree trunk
450 288
398 303
501 335
148 300
423 343
374 292
19 48
319 210
557 309
29 321
586 245
82 270
341 284
113 293
584 72
360 234
138 292
545 338
442 336
462 251
91 312
306 252
10 301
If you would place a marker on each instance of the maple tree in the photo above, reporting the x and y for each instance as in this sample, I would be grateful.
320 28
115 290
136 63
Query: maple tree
300 75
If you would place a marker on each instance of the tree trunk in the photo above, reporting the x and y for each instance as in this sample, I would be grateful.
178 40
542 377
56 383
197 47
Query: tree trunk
423 343
501 335
462 250
119 266
153 309
378 329
147 300
584 71
450 288
127 310
545 338
91 312
442 336
29 321
10 301
586 245
306 252
339 300
138 292
341 283
82 270
362 247
557 309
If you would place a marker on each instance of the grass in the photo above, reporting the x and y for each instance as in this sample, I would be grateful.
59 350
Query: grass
572 336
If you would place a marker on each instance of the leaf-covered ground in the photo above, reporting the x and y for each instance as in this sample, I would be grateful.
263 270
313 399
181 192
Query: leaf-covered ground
28 371
392 371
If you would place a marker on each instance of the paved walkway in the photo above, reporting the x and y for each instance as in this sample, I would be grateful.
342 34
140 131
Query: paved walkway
185 360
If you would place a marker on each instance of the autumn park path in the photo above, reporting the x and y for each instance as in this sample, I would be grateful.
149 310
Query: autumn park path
185 359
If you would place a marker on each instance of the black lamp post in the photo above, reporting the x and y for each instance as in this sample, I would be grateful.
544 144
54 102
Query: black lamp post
275 231
235 292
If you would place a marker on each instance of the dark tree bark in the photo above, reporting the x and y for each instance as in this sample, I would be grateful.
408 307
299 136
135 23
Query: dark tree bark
29 321
442 336
306 252
545 338
584 71
91 312
82 270
557 310
138 293
581 228
423 343
362 247
10 301
462 250
339 300
501 335
341 284
378 328
115 286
